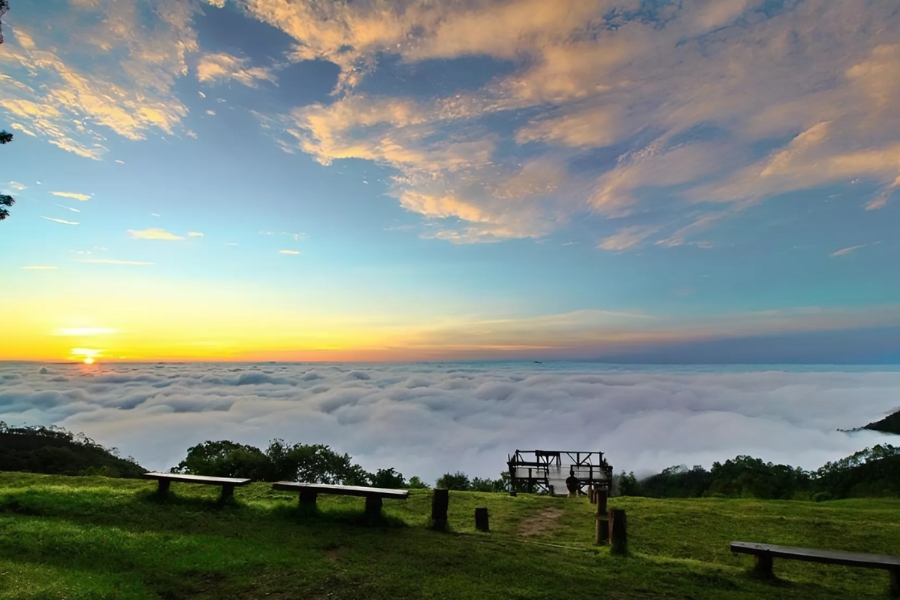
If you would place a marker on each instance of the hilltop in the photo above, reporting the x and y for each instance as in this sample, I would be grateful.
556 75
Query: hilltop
96 537
889 424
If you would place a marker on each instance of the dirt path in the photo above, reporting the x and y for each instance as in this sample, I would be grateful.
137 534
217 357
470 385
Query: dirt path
540 523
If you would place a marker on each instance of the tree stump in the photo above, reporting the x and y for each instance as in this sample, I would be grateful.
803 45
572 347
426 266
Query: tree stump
602 521
618 532
162 491
481 519
440 502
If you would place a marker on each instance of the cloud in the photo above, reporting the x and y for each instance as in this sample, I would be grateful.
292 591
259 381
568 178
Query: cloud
627 238
136 55
60 221
17 186
68 208
461 416
73 196
195 234
674 92
215 68
294 252
110 261
846 251
40 267
153 233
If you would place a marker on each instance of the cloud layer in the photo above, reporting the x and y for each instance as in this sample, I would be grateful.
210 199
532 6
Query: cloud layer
427 419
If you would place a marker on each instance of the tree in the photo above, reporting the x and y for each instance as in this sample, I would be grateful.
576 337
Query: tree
388 478
416 483
4 6
458 481
5 138
224 459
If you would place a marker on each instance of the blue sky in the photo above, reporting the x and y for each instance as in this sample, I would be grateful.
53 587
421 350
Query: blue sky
293 179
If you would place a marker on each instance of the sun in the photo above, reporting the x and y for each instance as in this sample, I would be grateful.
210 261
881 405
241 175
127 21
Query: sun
89 361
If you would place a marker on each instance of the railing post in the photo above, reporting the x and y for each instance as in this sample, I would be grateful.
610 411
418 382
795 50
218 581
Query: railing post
618 534
481 519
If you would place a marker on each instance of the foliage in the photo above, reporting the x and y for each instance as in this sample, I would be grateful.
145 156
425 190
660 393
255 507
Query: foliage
889 424
388 478
872 472
453 481
626 484
5 137
54 450
224 459
417 484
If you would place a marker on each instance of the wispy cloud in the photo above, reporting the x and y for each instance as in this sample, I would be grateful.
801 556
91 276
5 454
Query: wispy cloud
73 196
195 234
293 252
219 67
60 221
68 208
110 261
17 186
153 234
627 238
40 267
846 251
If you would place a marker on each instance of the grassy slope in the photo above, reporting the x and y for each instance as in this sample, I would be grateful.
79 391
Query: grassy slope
81 537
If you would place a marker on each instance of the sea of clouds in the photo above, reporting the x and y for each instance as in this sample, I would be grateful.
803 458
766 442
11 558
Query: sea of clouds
427 419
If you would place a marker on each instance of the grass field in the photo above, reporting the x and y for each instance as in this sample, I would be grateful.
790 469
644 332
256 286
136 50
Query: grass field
91 537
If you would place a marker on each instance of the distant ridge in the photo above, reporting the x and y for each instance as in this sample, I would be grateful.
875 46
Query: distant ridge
889 424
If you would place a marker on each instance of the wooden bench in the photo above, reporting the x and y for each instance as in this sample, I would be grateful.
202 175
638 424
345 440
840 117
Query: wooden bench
165 480
766 552
310 491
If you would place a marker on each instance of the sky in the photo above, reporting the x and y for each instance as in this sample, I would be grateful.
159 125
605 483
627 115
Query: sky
305 180
428 419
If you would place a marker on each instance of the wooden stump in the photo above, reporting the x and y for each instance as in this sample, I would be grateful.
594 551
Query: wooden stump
440 502
162 492
373 506
481 519
618 532
895 583
601 537
308 498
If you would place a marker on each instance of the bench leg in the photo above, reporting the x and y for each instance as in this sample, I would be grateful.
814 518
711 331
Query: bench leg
308 498
895 583
373 506
163 491
227 493
764 565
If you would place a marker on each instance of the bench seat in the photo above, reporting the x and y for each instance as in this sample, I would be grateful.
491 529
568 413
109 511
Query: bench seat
310 491
764 554
165 480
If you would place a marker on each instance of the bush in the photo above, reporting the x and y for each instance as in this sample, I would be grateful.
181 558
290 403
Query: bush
388 478
417 484
457 481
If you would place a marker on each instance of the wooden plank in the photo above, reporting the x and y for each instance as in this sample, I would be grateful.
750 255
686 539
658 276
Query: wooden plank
341 490
833 557
196 479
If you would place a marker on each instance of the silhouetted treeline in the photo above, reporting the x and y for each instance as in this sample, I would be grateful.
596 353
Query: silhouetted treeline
889 424
460 481
55 451
312 463
871 472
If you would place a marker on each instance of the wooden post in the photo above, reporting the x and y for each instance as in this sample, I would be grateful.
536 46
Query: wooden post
163 491
764 565
227 494
895 583
602 521
617 532
481 519
373 506
308 498
440 502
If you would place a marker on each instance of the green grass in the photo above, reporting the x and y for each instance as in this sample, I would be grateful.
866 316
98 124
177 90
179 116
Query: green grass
92 537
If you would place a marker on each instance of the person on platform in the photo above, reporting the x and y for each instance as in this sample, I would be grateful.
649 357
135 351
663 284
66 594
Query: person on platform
572 483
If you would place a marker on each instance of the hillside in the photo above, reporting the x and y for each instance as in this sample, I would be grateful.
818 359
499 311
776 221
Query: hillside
93 537
55 451
889 424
